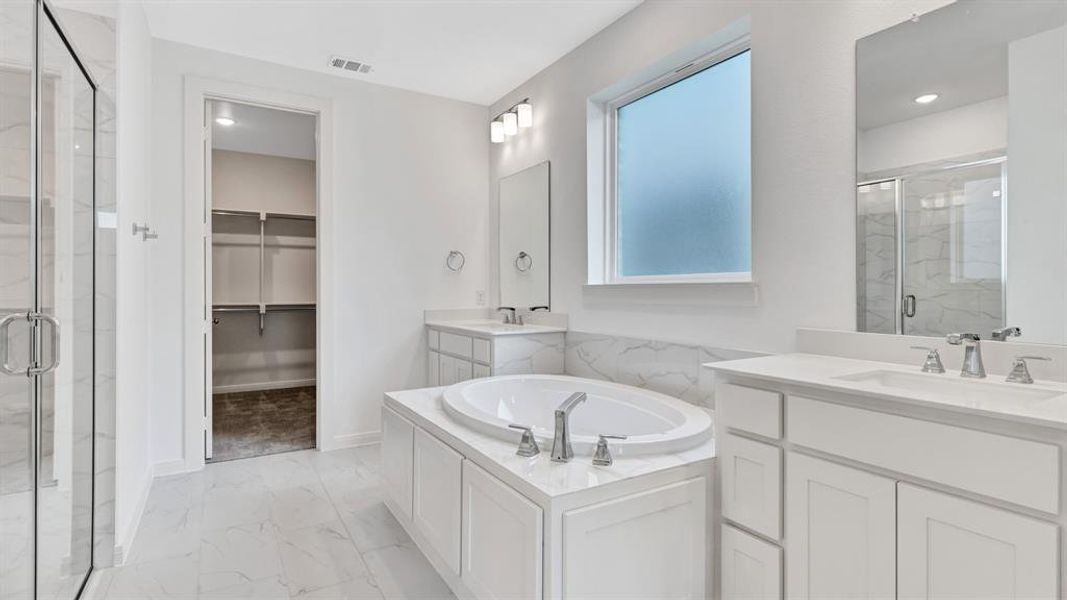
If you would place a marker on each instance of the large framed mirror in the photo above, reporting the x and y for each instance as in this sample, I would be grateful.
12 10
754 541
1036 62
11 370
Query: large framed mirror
524 238
961 189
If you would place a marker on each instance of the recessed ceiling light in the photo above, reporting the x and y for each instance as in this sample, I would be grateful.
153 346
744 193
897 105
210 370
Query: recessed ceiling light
225 121
926 98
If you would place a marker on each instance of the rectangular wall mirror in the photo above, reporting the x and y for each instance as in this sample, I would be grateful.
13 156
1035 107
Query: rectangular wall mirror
524 238
961 189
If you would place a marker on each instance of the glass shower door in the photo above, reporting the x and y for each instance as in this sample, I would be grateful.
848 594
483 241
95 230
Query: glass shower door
46 308
953 274
64 289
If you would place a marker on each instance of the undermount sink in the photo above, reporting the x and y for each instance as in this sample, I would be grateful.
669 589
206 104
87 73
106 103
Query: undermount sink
954 386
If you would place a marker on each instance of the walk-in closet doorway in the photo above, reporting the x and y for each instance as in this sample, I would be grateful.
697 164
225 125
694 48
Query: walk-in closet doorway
260 272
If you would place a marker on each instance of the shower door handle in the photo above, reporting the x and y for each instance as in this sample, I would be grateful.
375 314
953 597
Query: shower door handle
907 307
5 344
43 319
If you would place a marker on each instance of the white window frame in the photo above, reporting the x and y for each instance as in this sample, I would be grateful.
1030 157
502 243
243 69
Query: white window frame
611 274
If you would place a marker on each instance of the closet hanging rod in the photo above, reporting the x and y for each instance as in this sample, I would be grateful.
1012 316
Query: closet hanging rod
266 308
251 213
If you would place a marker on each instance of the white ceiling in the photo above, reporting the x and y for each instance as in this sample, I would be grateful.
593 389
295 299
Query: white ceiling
959 51
264 131
473 50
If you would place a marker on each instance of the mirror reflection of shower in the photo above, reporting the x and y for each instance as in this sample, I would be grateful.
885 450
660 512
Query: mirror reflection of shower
930 248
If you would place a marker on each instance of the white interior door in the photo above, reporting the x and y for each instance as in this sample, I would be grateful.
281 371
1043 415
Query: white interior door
208 315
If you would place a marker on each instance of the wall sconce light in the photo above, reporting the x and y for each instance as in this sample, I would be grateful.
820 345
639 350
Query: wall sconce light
496 131
508 123
524 110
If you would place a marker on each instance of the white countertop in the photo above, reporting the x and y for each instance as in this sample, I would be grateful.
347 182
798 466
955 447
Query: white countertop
826 372
536 476
492 328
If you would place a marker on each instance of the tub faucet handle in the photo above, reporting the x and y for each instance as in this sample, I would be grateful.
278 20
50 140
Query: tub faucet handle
602 456
528 444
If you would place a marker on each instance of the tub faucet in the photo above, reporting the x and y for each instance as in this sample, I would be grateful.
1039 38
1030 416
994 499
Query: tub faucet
561 442
972 354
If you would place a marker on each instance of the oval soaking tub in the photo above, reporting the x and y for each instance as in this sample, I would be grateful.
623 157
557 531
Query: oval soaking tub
653 423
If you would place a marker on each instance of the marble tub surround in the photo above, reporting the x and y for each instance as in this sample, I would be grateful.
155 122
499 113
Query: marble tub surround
669 368
997 356
1041 403
537 478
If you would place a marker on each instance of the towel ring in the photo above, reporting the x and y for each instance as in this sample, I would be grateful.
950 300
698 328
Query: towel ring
523 262
455 260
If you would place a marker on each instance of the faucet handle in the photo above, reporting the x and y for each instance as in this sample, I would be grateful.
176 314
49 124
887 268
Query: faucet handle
932 364
602 456
528 444
958 338
1004 333
1020 373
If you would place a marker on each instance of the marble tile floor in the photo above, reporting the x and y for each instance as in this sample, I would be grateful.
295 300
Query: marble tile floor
298 525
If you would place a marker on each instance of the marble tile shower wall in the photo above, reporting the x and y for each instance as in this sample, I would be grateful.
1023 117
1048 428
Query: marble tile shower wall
665 367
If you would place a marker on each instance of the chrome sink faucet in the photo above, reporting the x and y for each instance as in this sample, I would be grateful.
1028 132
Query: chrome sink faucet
972 353
1004 333
561 442
509 314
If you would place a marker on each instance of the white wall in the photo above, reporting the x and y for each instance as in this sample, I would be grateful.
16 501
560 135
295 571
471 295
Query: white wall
1037 193
961 131
133 452
410 174
803 77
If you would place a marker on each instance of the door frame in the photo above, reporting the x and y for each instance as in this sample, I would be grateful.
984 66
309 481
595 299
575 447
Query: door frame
197 92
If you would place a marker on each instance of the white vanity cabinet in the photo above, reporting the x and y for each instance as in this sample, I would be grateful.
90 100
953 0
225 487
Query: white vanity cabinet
492 535
456 356
875 499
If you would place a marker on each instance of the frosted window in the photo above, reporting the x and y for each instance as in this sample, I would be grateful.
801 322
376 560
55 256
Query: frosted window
683 176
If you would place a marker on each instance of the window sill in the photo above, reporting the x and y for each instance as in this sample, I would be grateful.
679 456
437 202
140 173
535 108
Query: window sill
675 292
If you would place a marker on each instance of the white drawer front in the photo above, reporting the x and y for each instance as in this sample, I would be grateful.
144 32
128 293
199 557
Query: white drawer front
458 345
1010 469
752 484
481 350
434 339
751 568
749 409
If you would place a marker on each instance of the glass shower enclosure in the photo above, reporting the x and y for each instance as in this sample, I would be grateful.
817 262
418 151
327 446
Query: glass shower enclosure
930 250
47 200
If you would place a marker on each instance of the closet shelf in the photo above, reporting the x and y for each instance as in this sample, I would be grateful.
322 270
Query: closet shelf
251 213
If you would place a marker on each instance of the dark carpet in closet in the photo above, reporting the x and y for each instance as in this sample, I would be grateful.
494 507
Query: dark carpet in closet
247 424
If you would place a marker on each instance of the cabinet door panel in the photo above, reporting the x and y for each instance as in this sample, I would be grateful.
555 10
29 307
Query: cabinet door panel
464 370
752 484
437 494
652 544
481 371
951 548
840 527
502 539
397 445
433 369
751 568
448 370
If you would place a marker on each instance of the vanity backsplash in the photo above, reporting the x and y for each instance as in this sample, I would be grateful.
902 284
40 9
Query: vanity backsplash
665 367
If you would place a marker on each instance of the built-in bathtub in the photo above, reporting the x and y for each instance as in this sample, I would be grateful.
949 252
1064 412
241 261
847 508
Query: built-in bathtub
653 423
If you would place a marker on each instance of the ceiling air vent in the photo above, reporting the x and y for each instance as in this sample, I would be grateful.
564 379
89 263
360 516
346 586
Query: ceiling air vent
348 64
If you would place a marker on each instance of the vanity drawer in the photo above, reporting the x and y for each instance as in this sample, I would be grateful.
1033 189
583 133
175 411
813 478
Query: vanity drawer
456 345
433 339
1014 470
481 350
752 484
749 409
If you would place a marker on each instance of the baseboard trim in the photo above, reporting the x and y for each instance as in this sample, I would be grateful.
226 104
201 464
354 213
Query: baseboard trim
123 546
352 440
259 387
171 467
